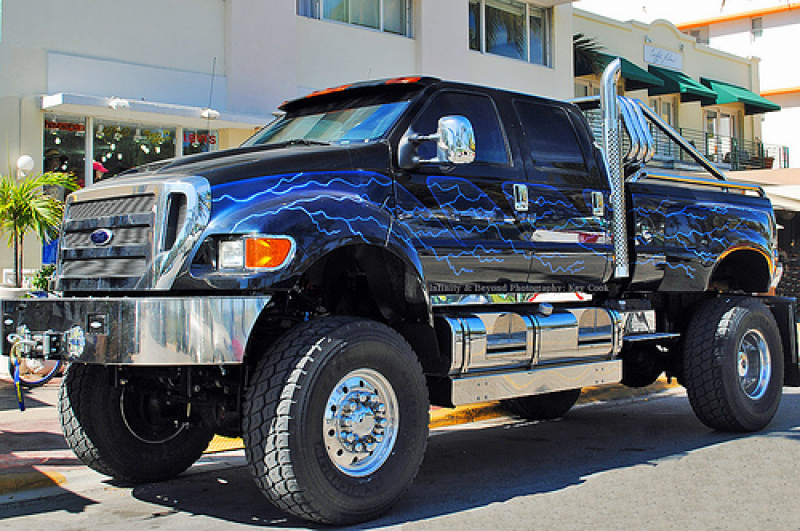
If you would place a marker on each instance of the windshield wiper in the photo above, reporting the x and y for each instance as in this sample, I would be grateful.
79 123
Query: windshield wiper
302 142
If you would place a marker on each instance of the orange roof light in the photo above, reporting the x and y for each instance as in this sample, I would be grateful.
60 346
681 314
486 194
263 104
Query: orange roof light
403 80
331 90
270 252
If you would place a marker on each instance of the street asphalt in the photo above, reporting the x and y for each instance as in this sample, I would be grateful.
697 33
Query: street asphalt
36 462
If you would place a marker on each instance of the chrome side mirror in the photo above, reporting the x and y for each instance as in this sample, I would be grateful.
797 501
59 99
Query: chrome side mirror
455 143
455 140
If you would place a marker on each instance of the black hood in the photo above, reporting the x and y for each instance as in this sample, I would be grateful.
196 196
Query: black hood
255 161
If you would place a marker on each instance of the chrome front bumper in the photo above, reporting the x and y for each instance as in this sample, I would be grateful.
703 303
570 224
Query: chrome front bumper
134 331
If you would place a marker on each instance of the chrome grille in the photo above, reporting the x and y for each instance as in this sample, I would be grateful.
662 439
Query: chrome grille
105 268
137 204
144 230
123 260
123 236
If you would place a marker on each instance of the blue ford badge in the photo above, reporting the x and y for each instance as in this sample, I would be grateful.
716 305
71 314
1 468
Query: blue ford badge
102 237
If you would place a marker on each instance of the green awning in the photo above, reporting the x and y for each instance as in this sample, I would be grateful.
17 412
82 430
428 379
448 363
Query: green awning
727 93
679 83
636 78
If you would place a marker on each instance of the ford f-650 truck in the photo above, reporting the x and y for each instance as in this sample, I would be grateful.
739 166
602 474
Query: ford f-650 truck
381 247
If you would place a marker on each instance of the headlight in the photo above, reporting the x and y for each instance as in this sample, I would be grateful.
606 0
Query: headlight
256 252
231 254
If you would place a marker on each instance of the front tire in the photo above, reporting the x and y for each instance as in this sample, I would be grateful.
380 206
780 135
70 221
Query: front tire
733 361
336 420
123 432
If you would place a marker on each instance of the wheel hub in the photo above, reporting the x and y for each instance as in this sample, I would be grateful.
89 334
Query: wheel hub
754 364
360 424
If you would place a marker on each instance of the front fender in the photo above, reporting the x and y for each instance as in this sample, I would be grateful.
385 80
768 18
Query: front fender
322 211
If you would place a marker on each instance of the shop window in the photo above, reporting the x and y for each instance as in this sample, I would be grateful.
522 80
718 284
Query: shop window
512 29
121 146
199 141
391 16
65 145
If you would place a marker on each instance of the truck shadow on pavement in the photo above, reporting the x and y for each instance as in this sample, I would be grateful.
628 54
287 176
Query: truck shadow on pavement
473 466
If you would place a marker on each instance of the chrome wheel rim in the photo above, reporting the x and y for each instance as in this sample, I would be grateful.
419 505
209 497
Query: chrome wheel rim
360 422
754 364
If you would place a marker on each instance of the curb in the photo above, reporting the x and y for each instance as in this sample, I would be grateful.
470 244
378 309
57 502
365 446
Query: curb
13 482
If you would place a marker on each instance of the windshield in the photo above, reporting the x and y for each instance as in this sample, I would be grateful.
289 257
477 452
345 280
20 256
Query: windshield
350 124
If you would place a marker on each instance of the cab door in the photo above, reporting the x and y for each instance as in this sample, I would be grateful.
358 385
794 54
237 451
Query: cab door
462 216
567 217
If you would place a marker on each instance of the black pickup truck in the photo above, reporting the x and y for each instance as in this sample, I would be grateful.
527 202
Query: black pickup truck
388 245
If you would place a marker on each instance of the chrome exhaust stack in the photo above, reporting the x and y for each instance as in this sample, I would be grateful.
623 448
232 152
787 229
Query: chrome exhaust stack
611 149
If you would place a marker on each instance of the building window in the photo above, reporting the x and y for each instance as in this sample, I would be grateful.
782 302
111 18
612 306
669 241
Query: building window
701 35
756 27
391 16
584 88
65 145
512 29
199 141
665 107
121 146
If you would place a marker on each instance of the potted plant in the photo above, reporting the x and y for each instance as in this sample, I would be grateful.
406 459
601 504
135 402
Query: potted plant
26 208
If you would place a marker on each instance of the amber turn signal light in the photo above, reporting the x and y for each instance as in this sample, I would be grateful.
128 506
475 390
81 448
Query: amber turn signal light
267 253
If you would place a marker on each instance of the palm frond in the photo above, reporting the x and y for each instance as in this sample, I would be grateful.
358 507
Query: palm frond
587 55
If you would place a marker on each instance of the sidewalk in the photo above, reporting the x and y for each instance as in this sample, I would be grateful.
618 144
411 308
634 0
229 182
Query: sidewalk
35 458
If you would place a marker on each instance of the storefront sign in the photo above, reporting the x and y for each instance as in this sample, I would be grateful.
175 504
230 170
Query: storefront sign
197 138
661 57
64 126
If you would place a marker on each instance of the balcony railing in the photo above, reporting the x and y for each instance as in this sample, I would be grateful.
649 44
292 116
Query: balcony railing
728 153
725 151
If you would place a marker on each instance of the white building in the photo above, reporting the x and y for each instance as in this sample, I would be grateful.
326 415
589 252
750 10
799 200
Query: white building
131 82
766 29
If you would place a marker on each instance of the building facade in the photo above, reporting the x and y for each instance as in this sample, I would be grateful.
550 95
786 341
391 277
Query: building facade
765 29
123 83
690 86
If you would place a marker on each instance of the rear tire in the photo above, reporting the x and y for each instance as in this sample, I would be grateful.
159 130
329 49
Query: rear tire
122 432
336 420
733 362
543 407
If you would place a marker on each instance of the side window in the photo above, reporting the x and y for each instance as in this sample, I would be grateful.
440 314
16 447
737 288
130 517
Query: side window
551 138
490 145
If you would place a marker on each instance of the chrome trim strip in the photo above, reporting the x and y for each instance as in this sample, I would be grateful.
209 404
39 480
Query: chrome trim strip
542 380
147 331
702 181
652 337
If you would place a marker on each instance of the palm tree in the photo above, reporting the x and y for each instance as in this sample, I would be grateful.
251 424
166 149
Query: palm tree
587 55
25 208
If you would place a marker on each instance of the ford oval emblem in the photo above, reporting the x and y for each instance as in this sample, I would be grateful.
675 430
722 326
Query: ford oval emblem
102 237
